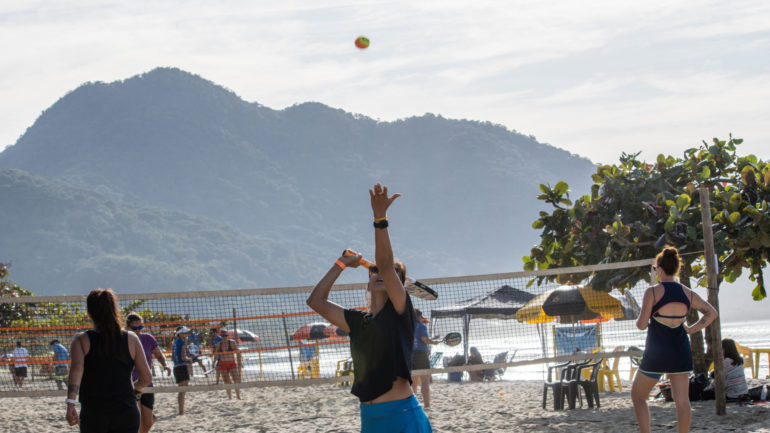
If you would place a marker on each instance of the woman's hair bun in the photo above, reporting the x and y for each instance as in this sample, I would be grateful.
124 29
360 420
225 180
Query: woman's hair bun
670 251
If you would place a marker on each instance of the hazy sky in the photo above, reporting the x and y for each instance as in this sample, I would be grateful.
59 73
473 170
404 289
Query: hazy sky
593 77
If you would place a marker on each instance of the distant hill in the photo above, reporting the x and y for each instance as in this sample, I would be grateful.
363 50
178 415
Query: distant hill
68 240
294 178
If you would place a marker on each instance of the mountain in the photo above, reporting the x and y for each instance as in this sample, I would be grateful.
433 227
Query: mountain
65 239
170 140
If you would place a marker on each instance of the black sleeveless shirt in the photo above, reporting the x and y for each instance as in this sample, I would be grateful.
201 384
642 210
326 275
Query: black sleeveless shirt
107 380
381 347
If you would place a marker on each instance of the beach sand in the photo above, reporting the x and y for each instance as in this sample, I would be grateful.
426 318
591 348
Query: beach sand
513 406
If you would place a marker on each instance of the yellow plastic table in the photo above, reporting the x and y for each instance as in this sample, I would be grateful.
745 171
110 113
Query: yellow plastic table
757 353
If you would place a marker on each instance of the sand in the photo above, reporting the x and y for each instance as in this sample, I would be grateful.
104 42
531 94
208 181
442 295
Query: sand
510 406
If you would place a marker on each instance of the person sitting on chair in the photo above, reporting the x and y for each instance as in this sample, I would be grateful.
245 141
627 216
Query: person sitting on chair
735 378
475 358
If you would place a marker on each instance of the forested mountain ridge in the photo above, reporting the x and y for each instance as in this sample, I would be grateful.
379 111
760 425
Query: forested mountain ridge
168 139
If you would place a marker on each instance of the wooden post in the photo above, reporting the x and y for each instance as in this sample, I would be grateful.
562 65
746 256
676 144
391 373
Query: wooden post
713 298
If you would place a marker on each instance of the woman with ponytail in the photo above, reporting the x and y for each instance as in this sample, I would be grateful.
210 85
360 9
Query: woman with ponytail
102 361
667 350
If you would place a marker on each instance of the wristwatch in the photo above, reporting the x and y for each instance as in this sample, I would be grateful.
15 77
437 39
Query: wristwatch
138 395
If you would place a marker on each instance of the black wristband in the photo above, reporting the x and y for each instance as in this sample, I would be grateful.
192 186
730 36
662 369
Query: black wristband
381 224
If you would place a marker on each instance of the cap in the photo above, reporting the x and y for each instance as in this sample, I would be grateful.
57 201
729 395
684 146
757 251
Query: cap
181 330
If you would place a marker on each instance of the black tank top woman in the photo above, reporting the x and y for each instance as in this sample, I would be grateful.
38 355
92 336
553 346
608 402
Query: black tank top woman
667 349
381 348
107 380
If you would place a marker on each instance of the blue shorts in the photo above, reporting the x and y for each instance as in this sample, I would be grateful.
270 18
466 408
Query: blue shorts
655 376
402 416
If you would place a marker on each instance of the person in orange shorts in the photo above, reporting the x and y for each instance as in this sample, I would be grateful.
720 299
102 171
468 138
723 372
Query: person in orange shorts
229 362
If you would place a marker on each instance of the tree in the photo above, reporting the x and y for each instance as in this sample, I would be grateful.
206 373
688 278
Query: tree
635 208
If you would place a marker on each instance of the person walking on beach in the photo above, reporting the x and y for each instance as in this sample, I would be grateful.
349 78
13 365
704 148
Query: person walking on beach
102 361
182 365
421 358
215 339
60 365
228 366
135 323
381 338
19 356
194 352
667 350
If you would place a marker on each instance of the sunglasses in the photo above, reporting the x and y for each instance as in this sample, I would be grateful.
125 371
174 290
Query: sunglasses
373 270
137 328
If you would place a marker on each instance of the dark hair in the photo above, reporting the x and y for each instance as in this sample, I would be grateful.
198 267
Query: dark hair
53 342
18 344
730 350
133 317
669 260
102 306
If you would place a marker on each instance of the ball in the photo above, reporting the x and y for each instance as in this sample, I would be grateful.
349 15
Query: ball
362 42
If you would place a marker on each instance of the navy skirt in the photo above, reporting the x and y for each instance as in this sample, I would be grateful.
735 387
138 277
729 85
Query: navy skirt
667 349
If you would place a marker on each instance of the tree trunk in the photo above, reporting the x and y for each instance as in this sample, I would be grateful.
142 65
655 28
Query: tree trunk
700 358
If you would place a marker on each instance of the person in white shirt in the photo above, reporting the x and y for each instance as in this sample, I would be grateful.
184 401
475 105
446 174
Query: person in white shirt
19 355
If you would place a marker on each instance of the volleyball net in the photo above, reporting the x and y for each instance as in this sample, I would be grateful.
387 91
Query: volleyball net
510 325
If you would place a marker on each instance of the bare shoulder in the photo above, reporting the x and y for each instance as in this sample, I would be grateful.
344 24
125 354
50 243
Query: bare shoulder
80 337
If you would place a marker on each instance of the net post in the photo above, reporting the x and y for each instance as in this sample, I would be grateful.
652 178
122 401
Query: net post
237 354
288 344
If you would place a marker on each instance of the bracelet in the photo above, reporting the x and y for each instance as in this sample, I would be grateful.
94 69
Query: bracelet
381 224
380 219
340 264
71 401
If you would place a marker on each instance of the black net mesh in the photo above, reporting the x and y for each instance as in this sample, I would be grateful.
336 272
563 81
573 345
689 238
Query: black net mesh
501 319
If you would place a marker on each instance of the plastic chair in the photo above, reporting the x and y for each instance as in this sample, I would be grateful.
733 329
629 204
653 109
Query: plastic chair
608 375
748 359
308 369
746 354
557 385
496 373
635 362
435 358
590 386
344 368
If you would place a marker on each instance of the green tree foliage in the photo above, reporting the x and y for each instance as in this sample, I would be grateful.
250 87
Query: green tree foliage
635 208
10 312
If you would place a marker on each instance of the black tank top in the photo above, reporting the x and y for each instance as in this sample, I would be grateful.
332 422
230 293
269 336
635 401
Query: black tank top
381 347
107 380
673 293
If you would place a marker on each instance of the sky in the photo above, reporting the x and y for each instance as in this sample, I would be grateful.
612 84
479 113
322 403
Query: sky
595 77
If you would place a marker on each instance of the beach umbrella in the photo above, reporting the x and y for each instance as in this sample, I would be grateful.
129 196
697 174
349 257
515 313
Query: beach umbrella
570 304
244 336
333 331
317 331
